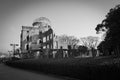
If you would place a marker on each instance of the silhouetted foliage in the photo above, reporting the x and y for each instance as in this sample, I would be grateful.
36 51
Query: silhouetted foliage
110 25
82 49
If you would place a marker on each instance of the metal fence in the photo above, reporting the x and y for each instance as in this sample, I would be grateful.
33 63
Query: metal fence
54 53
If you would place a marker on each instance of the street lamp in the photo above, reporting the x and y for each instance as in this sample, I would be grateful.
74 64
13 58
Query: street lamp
14 45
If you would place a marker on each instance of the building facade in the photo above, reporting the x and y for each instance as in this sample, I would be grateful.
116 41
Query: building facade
37 41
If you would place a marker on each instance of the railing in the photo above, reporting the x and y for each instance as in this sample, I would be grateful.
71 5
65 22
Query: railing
54 53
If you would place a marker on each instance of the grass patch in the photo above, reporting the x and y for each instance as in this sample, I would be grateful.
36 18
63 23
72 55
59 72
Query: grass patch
101 68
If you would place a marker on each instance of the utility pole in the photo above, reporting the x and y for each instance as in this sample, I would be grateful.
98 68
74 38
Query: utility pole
14 45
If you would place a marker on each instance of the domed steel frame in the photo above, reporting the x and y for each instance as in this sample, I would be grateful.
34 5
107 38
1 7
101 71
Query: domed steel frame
41 20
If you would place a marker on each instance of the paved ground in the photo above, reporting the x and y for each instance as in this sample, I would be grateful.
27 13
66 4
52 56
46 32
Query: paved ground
8 73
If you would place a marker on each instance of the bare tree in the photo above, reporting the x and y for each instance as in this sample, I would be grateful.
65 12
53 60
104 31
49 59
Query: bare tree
69 40
90 41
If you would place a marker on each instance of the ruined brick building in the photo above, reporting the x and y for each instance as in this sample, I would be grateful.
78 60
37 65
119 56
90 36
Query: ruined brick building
39 35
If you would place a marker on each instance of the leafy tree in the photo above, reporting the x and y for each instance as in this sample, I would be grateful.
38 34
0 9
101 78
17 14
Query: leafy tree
111 26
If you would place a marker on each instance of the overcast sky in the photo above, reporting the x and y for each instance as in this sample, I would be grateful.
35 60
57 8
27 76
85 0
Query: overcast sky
71 17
